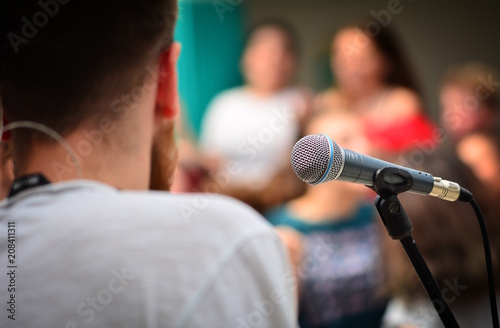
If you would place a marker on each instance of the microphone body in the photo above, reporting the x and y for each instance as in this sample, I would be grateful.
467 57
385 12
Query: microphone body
317 159
360 168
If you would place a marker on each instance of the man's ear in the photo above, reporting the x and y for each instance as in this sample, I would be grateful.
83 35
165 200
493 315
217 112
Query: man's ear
167 97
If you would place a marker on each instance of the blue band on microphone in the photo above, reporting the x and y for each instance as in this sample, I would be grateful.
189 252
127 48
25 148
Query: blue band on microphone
330 144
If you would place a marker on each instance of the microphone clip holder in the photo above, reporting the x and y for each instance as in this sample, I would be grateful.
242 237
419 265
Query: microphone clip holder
388 183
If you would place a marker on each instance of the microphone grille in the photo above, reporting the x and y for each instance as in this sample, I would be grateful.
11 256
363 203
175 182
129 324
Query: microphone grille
311 159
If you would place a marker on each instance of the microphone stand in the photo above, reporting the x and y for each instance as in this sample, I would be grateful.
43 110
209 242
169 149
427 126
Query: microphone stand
389 182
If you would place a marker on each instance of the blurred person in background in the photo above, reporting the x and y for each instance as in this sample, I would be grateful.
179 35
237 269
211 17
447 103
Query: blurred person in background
480 150
375 81
249 131
469 100
449 239
470 115
334 241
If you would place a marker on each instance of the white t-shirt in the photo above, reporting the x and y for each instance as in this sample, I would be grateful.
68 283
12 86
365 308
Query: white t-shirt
254 134
88 255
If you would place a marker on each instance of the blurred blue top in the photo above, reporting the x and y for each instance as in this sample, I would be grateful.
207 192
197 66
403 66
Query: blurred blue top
341 271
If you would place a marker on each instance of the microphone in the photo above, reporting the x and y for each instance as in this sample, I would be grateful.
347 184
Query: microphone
317 159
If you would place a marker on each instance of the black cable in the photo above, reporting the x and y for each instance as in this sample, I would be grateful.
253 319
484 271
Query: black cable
489 265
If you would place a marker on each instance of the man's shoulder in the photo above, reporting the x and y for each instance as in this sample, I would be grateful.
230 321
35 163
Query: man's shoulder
182 254
195 212
90 211
197 208
92 203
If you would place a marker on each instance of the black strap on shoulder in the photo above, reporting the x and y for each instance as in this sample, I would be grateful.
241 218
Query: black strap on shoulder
27 182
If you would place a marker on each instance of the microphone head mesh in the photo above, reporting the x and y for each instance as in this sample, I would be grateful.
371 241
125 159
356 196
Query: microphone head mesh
311 157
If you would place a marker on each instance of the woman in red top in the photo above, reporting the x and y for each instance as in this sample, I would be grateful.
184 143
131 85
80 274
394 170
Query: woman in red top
374 79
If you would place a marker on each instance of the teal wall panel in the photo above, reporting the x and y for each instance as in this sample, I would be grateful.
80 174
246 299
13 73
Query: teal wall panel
211 34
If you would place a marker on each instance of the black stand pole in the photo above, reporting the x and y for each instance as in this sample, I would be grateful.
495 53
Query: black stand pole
389 182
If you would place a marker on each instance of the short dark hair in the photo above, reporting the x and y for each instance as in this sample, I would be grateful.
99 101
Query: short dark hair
61 60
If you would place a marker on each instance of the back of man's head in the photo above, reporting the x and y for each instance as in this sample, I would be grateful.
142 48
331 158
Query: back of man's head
62 62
